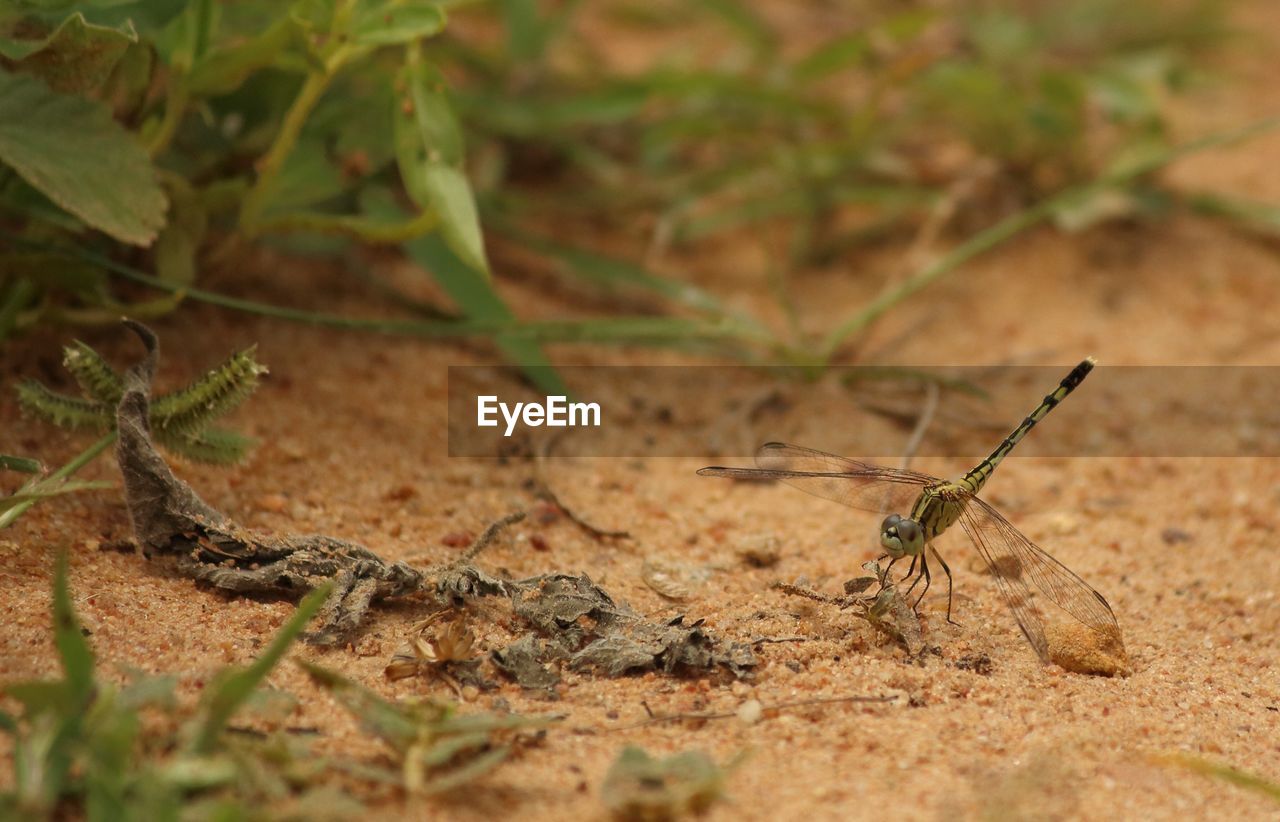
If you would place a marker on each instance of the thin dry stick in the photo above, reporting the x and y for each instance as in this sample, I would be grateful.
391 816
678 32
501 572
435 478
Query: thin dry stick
482 542
545 491
657 719
922 424
808 593
479 544
765 640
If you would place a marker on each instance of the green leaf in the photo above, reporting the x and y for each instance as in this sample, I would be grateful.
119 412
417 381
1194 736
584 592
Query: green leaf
396 23
182 235
24 464
75 154
63 411
224 70
429 153
189 410
425 125
73 650
212 446
474 294
74 58
235 686
98 381
386 720
44 489
618 274
450 195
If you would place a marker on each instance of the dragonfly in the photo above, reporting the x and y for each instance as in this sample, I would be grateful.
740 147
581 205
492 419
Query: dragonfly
933 506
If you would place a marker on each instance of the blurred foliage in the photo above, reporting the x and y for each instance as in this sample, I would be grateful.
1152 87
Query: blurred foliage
140 139
642 788
435 748
35 489
884 114
85 746
181 421
1227 773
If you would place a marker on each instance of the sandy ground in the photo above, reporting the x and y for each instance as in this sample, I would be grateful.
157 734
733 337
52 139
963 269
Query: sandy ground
353 431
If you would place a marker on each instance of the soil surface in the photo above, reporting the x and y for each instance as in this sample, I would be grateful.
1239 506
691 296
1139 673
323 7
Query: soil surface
353 429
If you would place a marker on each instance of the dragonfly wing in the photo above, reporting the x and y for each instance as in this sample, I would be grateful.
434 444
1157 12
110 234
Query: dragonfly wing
1015 560
856 484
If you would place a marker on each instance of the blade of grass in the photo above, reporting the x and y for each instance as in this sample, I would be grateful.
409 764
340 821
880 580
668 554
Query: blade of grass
73 651
474 293
1259 218
232 691
1017 223
612 272
640 330
1235 776
25 465
81 460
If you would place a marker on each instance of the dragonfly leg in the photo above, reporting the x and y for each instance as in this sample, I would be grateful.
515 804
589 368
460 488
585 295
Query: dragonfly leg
924 572
928 579
911 570
947 570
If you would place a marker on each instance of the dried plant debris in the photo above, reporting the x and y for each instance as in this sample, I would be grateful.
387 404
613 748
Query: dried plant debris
587 629
436 748
460 580
525 661
180 421
644 789
440 648
584 627
544 490
668 580
886 610
170 519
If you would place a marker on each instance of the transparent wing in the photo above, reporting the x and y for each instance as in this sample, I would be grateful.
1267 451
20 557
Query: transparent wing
1014 560
849 482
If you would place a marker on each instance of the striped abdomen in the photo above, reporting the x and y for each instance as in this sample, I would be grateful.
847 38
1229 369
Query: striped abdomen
975 479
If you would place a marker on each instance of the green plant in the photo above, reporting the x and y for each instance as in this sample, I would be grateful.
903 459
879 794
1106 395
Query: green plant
181 421
436 748
284 117
641 787
37 488
79 743
246 122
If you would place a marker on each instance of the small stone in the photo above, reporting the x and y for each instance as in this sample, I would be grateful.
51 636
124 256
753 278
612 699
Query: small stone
273 503
1064 524
759 550
457 539
401 493
750 712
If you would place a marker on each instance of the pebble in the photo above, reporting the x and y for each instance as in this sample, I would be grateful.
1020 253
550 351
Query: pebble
750 712
273 503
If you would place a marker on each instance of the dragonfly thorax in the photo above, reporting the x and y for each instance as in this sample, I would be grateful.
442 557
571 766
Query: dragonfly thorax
901 536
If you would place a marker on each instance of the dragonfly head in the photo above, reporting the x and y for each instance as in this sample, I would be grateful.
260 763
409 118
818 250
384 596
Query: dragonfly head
901 536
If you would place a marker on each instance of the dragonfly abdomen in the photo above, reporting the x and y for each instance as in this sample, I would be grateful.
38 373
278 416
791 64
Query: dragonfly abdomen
975 479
